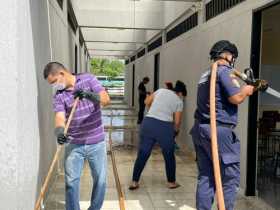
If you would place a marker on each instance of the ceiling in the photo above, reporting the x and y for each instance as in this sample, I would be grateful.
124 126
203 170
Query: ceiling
118 28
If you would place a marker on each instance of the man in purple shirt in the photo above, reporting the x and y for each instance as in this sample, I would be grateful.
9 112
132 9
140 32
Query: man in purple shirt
85 137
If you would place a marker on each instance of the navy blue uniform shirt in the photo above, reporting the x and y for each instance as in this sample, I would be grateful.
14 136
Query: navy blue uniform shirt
142 91
226 86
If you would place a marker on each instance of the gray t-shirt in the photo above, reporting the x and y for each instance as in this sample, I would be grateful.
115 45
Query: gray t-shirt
164 105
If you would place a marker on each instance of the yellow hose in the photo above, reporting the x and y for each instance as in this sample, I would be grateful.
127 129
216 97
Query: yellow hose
214 142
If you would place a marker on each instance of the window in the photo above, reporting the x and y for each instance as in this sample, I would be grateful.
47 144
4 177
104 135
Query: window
216 7
81 38
141 53
126 61
156 71
60 3
132 58
76 59
133 85
182 27
101 78
155 44
118 80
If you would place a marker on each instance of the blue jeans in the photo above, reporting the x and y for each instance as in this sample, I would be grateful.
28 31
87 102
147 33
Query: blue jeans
75 155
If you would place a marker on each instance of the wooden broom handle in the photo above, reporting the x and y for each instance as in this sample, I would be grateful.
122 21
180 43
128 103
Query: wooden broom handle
55 159
75 104
214 141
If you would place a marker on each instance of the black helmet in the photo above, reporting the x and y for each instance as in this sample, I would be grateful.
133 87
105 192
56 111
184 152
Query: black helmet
223 46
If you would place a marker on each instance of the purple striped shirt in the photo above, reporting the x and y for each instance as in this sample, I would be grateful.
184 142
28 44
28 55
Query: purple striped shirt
86 126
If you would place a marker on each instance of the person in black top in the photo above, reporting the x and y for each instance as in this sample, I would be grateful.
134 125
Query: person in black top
142 96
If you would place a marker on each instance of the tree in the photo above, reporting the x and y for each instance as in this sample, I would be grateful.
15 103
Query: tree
101 66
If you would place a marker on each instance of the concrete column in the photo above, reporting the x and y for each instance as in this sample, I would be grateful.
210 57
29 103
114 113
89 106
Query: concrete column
88 63
202 12
8 109
26 119
77 42
19 114
164 37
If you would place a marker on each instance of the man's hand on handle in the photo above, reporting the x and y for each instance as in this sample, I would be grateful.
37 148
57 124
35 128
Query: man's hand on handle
81 94
61 137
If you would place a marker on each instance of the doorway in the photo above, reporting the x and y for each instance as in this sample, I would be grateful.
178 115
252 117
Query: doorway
133 85
76 59
156 71
263 154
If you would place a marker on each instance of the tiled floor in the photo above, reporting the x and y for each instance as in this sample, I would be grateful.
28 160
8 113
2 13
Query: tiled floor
153 193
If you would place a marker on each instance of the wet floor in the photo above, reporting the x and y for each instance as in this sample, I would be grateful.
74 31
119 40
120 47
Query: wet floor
153 193
269 189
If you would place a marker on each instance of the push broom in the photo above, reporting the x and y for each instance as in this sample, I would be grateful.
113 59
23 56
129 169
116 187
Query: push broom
55 159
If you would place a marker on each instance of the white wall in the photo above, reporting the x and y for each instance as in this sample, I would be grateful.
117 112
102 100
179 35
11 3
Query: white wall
64 39
42 55
127 83
26 116
8 108
22 90
186 57
172 10
81 58
59 34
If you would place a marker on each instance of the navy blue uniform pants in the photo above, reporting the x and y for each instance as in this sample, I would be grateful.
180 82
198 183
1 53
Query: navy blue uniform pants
229 153
152 131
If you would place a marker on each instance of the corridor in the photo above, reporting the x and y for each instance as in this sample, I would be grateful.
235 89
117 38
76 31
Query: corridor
120 43
153 193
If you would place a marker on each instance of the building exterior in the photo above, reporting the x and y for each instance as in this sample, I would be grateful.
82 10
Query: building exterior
38 31
186 57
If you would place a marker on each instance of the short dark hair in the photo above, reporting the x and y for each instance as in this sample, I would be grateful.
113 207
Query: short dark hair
147 79
169 85
51 68
180 87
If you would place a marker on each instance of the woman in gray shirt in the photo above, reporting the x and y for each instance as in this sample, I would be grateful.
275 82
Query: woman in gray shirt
160 125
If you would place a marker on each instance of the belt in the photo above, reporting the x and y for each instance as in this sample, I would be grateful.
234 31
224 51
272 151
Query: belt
227 125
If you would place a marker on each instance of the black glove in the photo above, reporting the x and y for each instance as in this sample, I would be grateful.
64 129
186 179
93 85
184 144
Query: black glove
81 94
61 137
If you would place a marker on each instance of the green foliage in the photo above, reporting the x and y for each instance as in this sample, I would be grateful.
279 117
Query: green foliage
101 66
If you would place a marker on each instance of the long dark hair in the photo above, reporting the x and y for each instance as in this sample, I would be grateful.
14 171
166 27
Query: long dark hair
180 87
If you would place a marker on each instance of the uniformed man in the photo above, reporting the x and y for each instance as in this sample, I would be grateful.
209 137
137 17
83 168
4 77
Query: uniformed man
142 96
228 95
